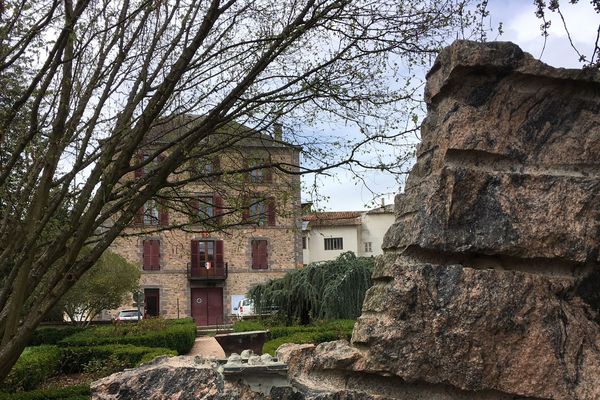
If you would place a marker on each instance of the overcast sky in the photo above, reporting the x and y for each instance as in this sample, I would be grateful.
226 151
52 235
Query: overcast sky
521 27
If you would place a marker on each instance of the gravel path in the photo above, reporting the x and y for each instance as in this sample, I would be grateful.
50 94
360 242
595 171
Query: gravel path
207 347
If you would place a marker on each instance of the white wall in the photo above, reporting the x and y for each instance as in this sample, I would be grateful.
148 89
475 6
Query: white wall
374 227
316 243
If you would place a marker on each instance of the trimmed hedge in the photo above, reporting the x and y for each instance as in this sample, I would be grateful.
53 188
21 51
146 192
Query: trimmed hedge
178 335
79 358
53 334
34 366
319 332
79 392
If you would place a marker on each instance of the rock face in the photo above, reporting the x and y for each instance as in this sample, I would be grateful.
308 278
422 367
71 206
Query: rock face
487 282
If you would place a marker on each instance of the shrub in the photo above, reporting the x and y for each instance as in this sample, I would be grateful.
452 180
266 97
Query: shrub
324 331
104 360
79 392
246 326
52 334
35 365
179 335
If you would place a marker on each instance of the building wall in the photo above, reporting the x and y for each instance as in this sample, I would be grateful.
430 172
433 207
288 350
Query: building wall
284 240
316 243
374 227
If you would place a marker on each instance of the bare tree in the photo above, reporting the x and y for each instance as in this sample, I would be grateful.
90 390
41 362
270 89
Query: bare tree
90 79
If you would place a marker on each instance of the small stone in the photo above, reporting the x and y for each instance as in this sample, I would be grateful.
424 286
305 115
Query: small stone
255 360
246 354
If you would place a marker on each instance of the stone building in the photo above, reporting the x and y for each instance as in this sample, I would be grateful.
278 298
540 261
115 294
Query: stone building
237 225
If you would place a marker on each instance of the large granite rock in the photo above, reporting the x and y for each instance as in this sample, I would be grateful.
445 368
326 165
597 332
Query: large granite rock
490 281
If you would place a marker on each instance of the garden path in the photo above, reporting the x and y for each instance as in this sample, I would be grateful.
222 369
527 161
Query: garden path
207 347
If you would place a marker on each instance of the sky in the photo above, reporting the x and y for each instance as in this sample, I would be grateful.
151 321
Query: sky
340 191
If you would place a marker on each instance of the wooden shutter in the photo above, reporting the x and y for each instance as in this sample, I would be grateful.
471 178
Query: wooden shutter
259 254
216 164
194 207
245 210
219 254
218 208
139 216
194 252
139 172
155 255
268 171
147 255
163 215
271 212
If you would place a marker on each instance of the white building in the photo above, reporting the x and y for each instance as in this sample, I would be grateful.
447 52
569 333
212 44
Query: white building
326 235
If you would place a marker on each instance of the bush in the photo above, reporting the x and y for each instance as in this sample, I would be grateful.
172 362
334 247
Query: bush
35 365
79 392
176 335
52 334
247 326
319 332
104 360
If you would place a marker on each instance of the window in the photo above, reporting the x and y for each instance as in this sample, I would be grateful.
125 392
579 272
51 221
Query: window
152 213
304 240
368 247
208 169
206 207
334 244
261 212
148 166
151 216
151 255
260 175
260 258
207 254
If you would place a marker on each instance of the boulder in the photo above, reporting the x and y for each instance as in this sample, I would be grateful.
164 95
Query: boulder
489 281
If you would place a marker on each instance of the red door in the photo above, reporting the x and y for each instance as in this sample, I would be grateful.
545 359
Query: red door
207 306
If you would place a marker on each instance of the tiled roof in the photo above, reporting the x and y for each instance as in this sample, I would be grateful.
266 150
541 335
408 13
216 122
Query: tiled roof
333 218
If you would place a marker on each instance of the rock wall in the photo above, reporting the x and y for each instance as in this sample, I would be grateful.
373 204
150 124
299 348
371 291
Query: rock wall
488 280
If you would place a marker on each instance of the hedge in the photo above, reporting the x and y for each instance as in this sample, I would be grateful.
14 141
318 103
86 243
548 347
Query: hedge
178 335
109 357
35 365
79 392
52 334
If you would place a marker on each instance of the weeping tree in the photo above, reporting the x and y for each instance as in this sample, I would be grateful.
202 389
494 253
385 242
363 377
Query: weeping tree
325 290
84 82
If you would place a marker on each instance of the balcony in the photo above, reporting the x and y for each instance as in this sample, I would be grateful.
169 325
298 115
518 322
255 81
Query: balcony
207 274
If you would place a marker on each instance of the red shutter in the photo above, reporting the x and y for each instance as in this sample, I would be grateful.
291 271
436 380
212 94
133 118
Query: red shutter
268 171
245 210
218 207
139 172
271 212
263 254
147 255
194 208
139 216
259 254
219 254
163 215
194 253
156 255
216 163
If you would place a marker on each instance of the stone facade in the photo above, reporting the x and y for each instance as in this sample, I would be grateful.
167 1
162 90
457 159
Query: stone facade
283 238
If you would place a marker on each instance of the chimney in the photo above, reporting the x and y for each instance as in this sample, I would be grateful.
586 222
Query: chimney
383 202
278 131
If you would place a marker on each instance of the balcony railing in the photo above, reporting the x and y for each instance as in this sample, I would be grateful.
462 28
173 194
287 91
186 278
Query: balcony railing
207 274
